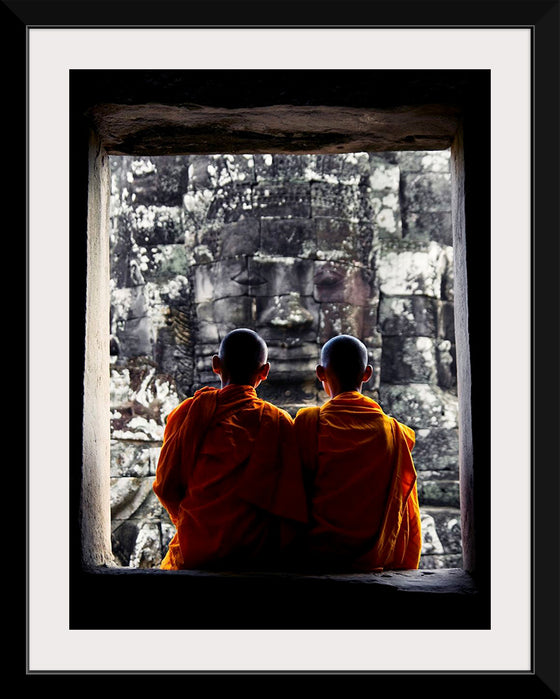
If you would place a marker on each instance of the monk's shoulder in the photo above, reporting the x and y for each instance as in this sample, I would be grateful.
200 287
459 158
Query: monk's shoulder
179 412
405 432
283 415
305 414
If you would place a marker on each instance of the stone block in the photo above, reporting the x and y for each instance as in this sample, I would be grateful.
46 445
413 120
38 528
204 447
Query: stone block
205 311
374 359
167 533
423 161
344 168
157 180
157 225
196 205
336 282
385 177
438 492
408 316
276 276
139 398
135 338
448 275
439 562
428 225
202 172
175 292
120 257
447 522
207 332
150 509
239 168
420 405
371 337
133 460
265 168
338 239
339 201
446 365
388 218
437 449
174 357
209 209
230 203
287 167
282 201
286 395
444 476
123 538
238 238
410 270
340 318
431 544
135 427
290 318
127 303
408 359
425 192
180 322
279 168
127 495
147 551
288 237
165 262
203 374
212 171
293 362
202 354
233 312
446 321
220 280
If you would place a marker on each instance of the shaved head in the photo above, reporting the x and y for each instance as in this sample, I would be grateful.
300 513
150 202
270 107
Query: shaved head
347 358
242 353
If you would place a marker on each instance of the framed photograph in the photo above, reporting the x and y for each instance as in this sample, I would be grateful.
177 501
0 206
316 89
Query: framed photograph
510 326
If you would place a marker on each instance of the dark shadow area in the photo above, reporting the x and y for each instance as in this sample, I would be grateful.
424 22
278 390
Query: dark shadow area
446 599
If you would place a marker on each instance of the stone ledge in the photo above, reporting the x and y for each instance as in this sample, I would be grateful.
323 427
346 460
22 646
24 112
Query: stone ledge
421 599
448 580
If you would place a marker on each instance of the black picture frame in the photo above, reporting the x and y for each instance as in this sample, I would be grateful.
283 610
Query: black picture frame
542 18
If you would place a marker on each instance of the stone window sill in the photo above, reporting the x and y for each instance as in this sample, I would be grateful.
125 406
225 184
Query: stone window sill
420 599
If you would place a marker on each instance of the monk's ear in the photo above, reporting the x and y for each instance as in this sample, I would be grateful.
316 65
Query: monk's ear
368 373
320 371
263 371
216 364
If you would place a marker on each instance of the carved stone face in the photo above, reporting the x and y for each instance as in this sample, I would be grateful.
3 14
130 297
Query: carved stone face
283 245
295 304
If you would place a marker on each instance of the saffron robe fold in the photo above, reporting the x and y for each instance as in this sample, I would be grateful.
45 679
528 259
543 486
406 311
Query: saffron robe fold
230 478
361 484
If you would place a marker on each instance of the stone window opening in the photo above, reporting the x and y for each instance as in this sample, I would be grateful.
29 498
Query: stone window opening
107 125
299 247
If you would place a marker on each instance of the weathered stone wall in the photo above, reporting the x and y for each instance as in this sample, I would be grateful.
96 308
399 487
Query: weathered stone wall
298 248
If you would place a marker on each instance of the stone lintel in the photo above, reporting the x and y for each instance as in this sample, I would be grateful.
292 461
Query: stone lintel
160 129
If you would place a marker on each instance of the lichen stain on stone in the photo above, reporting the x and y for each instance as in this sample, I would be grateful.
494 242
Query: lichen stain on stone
287 312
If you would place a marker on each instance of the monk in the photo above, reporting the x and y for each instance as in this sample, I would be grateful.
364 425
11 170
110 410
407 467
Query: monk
228 473
359 473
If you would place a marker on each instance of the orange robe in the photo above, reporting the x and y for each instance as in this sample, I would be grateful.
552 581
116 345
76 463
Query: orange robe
361 482
230 478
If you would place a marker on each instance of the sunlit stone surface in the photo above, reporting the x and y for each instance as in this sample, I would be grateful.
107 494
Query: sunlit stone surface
300 248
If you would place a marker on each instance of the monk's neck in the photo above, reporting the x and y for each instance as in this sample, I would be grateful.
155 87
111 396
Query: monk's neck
228 386
350 391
